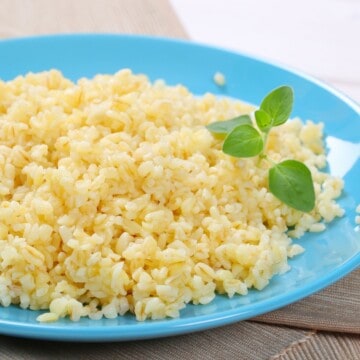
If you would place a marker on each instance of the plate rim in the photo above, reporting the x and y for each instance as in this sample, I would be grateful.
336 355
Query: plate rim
169 327
192 43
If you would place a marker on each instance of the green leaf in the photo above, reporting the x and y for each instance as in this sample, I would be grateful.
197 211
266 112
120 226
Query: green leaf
263 120
278 104
243 141
224 127
291 182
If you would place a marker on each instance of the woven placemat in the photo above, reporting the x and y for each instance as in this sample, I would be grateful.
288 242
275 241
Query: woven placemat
35 17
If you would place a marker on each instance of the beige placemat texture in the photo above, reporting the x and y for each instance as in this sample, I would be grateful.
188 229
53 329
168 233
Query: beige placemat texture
34 17
243 341
334 309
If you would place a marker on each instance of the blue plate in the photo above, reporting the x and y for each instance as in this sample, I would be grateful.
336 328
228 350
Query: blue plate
329 255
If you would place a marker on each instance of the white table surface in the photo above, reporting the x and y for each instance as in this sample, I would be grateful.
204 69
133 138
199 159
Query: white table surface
318 37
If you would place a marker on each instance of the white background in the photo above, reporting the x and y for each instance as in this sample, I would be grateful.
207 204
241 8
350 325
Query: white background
318 37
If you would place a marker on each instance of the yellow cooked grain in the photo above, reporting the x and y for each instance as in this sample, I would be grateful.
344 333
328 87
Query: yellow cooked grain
116 198
219 79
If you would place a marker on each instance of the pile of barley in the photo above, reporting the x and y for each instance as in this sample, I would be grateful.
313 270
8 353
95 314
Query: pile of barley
116 198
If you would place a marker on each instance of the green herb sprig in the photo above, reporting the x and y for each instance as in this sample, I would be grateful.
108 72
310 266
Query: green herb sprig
290 180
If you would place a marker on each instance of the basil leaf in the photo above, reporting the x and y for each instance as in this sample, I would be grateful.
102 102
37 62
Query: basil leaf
291 182
243 141
224 127
278 104
263 120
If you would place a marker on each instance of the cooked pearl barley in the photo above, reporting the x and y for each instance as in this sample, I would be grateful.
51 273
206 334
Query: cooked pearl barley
115 198
219 79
